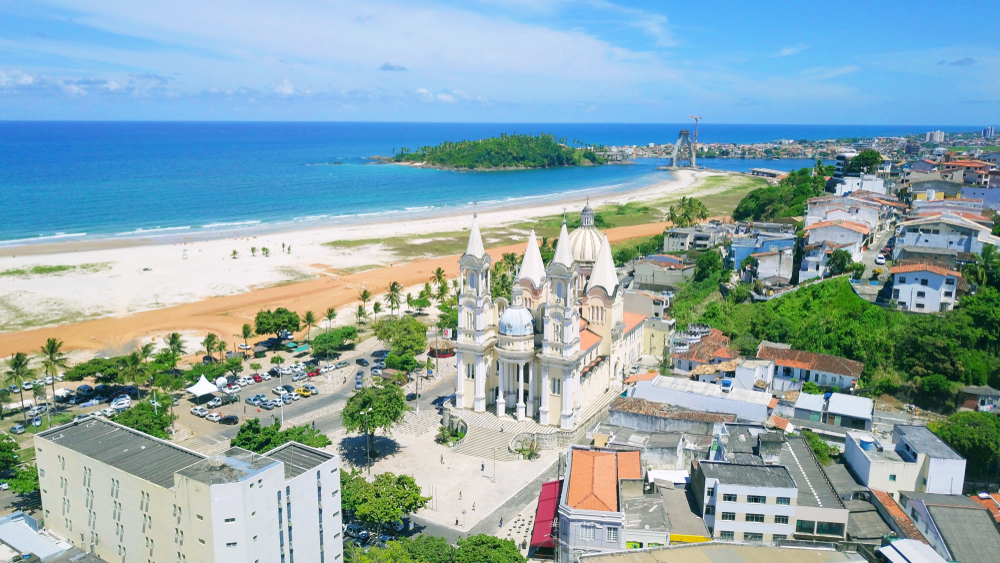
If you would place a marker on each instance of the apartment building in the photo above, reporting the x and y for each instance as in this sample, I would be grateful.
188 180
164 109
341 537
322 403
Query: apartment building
957 527
698 237
917 461
924 288
798 366
126 496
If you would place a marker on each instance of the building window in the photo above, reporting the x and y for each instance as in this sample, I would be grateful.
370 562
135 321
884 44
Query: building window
830 529
758 518
231 544
731 516
892 477
923 282
805 526
921 294
230 520
588 532
902 279
613 535
710 509
753 537
780 519
777 538
556 386
755 499
915 518
784 501
726 536
947 294
711 492
949 281
920 305
729 498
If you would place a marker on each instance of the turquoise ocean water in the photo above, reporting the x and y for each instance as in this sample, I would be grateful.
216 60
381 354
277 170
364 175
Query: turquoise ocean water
86 180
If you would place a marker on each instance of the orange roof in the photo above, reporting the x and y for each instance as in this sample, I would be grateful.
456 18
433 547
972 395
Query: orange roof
792 364
593 481
642 377
628 465
976 163
773 403
850 225
778 422
904 522
724 352
632 320
924 268
991 503
588 340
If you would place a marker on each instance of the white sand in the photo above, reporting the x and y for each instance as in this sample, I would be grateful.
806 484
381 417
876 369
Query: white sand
182 273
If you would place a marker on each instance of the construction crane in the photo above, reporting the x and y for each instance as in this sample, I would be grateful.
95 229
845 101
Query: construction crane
696 118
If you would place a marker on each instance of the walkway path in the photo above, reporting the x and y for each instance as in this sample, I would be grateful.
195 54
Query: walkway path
483 442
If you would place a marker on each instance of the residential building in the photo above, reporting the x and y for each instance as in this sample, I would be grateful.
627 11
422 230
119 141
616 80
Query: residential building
946 231
751 406
980 398
836 410
830 208
773 268
989 194
918 461
799 366
126 496
699 237
849 184
934 137
561 343
989 501
958 528
816 256
661 273
850 235
841 161
768 173
700 345
912 149
989 132
909 551
924 288
725 552
740 248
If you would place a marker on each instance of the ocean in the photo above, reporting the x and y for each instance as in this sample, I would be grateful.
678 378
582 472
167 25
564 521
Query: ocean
88 180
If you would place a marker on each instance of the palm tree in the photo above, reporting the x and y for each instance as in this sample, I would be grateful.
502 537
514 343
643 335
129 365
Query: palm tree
442 293
361 314
221 347
393 297
265 251
235 255
376 309
253 251
135 370
365 296
175 342
990 261
330 315
209 343
438 277
17 372
427 292
53 359
310 320
974 273
409 302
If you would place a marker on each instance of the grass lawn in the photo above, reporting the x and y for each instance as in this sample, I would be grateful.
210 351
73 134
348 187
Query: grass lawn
43 270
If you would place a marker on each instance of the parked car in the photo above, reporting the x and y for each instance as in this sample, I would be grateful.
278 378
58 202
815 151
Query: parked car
36 422
313 373
257 379
303 392
341 364
108 411
376 371
287 398
359 384
880 260
17 429
27 386
380 353
48 380
230 399
288 388
229 389
244 381
80 417
253 401
361 362
299 376
312 388
356 531
231 419
213 417
265 376
35 411
266 405
199 411
83 390
214 403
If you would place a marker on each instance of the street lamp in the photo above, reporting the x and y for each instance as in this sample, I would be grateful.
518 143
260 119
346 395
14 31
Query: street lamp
494 465
368 451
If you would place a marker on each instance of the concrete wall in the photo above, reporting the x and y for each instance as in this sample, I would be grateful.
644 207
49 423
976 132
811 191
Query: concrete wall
990 196
945 476
741 508
647 423
693 401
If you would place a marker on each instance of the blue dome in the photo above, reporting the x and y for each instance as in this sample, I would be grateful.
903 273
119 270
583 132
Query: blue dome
517 321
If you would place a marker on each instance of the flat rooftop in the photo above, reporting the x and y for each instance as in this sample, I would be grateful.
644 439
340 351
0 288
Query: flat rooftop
925 441
713 552
814 489
774 476
843 481
621 435
644 512
682 512
123 448
298 458
231 466
969 533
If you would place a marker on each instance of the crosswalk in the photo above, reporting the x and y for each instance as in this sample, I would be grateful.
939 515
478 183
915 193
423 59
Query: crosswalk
207 445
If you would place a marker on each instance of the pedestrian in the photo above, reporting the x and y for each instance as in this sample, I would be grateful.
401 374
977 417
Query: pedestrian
314 425
501 522
482 466
473 507
501 428
459 495
456 521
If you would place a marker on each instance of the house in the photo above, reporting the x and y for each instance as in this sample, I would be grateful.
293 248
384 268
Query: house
799 367
648 416
958 528
821 209
836 409
699 345
924 288
698 237
980 398
773 268
854 235
989 501
909 551
918 461
848 184
740 248
989 194
815 258
751 406
661 273
945 231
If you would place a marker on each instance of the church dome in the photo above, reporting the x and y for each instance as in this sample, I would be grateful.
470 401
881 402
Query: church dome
516 320
585 242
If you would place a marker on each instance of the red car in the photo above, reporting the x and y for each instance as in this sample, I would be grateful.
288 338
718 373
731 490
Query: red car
257 378
313 373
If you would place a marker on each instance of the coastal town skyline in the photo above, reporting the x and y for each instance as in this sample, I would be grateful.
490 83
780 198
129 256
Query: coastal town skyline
490 61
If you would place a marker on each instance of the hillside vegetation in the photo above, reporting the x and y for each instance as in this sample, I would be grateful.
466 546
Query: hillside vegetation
505 151
787 199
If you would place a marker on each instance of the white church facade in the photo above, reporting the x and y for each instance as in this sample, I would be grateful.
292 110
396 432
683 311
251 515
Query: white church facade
560 344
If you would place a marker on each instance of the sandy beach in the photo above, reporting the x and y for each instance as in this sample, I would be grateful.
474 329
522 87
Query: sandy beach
114 292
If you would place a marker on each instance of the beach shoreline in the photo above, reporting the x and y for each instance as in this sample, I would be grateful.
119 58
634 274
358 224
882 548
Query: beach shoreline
199 286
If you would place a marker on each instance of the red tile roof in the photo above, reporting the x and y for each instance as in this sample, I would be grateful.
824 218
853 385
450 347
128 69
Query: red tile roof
991 503
904 522
705 350
588 340
593 481
850 225
632 320
773 403
628 465
812 361
778 422
642 377
924 268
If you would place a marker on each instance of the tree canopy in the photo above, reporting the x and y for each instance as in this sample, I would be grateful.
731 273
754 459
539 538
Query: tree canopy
388 498
976 437
406 338
867 162
329 343
505 151
142 417
261 439
787 199
687 212
277 321
480 548
374 408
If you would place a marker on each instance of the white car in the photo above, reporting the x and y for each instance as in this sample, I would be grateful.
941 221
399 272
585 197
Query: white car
199 411
880 260
265 376
288 398
26 386
244 381
231 389
121 403
213 417
278 391
214 403
108 412
48 380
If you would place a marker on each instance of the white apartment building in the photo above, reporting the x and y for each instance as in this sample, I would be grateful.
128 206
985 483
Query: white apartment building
128 497
918 461
850 236
924 288
746 503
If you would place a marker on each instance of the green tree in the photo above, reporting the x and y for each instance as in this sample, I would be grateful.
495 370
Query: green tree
365 296
8 452
175 343
234 366
840 261
246 331
265 251
277 360
428 549
404 336
410 300
144 418
788 199
330 316
376 309
209 344
331 342
255 367
361 314
438 278
388 498
17 373
253 251
707 265
25 480
276 322
819 447
481 547
976 437
687 212
867 162
261 439
393 296
309 320
374 408
53 360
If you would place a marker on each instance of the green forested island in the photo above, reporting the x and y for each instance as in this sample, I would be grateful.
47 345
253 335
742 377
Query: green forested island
499 153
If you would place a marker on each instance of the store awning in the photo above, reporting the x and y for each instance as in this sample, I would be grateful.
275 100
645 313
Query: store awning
548 503
203 387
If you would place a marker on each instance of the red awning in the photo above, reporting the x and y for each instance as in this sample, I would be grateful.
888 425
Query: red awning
548 503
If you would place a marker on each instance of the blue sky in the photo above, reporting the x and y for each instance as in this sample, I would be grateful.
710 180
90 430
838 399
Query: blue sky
501 60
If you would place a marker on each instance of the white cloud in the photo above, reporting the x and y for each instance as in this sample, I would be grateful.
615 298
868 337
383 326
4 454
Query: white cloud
447 98
789 51
284 88
424 94
825 73
73 89
111 85
15 78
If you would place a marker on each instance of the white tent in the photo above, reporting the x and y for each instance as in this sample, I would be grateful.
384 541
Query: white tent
203 387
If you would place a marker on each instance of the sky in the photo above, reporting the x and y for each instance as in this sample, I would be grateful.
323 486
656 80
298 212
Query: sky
886 62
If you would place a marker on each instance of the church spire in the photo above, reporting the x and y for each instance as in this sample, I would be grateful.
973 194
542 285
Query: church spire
564 254
532 268
475 247
604 274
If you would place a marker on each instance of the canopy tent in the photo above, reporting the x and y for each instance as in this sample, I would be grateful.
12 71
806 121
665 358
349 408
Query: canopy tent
545 513
203 387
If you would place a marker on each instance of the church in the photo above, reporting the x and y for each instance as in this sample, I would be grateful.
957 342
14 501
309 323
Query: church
561 343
